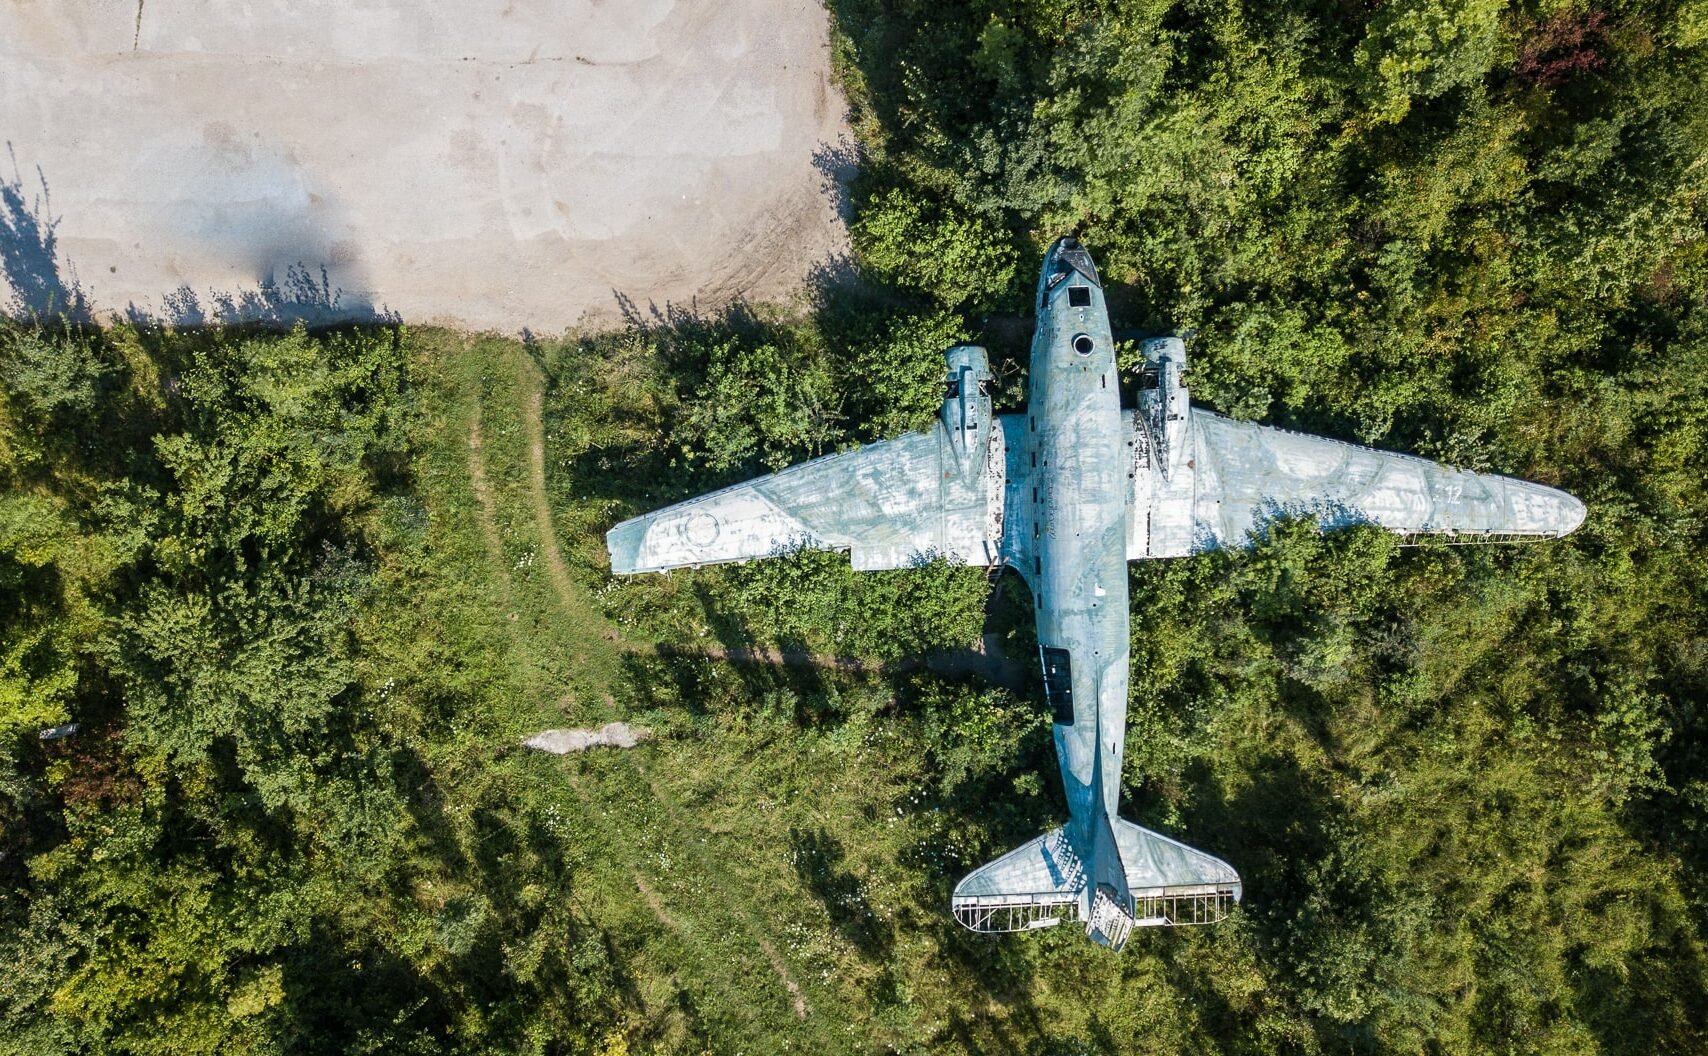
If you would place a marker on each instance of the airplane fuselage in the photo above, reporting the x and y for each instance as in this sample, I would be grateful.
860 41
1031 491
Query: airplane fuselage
1078 495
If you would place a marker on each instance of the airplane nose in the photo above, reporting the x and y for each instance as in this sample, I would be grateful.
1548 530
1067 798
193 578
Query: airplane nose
1068 255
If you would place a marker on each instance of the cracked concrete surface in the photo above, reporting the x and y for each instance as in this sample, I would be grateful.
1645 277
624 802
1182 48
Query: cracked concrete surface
484 164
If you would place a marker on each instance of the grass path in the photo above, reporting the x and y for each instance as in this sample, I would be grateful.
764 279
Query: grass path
482 489
589 803
708 925
592 637
580 614
483 498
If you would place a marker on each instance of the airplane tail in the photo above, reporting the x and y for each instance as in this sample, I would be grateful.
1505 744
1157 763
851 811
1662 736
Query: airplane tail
1137 878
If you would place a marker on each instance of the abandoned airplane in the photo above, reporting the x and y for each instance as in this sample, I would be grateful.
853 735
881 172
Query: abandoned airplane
1066 494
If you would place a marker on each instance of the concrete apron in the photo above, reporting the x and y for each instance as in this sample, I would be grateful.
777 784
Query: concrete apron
482 164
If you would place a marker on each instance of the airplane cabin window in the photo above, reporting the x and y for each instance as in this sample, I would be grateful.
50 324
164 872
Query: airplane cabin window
1079 296
1058 685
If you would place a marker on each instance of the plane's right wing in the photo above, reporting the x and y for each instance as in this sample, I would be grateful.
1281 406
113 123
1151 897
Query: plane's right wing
1235 476
888 504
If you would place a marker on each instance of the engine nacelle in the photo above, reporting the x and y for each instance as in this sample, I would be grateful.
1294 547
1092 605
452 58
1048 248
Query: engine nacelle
1164 402
966 405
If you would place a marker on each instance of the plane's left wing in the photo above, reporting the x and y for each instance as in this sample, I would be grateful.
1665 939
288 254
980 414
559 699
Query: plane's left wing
888 504
1230 477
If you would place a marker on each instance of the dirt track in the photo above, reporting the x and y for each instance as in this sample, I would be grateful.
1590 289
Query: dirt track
484 164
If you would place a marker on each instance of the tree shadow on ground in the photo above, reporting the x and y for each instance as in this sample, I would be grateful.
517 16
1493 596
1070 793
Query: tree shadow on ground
44 286
287 294
1281 827
482 884
1273 828
29 254
426 806
819 858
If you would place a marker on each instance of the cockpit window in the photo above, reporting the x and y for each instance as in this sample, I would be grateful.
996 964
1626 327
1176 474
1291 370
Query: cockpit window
1058 685
1079 296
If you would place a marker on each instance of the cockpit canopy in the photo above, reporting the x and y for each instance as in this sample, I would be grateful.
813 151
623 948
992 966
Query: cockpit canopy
1068 259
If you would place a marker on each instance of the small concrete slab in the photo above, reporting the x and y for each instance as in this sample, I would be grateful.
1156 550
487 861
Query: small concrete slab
610 735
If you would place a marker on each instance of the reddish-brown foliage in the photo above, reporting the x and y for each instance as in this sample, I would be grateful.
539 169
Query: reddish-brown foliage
1561 47
100 775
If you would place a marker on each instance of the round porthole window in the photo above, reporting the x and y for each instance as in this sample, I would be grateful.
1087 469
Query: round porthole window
1083 344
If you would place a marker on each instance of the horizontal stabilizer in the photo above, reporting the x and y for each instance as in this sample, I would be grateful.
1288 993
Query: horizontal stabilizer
1044 882
1036 885
1172 883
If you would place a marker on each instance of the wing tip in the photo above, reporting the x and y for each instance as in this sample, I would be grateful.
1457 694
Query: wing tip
1574 512
624 545
1541 510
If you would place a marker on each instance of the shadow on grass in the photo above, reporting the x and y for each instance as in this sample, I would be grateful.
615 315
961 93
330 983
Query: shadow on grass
819 858
348 985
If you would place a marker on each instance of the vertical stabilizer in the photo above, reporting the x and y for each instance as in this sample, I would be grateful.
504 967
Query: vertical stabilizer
1108 908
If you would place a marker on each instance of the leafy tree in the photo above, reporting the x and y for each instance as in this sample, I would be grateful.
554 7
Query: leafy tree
51 370
893 373
955 258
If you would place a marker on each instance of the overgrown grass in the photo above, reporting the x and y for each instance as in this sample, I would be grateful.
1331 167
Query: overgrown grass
707 918
1439 771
